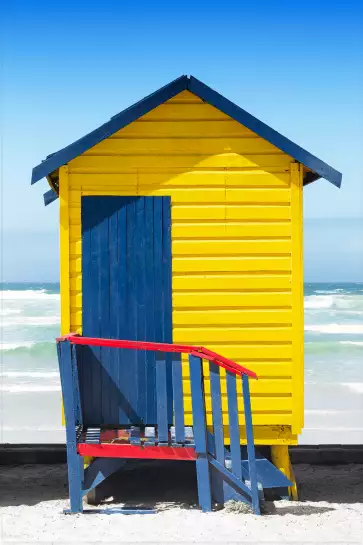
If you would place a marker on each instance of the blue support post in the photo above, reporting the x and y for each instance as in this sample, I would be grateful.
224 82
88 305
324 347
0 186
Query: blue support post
250 445
200 433
70 391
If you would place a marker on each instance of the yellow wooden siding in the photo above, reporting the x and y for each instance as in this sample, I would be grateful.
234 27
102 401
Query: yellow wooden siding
236 219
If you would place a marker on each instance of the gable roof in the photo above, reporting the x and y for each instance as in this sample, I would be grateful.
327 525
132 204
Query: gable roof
55 160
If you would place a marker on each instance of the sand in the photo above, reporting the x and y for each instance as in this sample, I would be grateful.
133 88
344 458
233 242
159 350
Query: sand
33 497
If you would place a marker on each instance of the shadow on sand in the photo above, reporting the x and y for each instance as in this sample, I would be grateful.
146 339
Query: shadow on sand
156 483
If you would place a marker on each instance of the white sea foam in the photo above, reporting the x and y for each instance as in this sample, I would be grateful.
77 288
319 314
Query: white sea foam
346 329
7 295
329 292
30 374
31 321
355 343
14 346
24 388
9 312
354 386
336 301
318 301
32 428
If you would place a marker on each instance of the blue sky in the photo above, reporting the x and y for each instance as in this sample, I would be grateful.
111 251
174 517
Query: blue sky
295 65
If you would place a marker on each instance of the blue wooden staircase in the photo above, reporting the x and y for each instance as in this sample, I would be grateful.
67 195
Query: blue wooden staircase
223 473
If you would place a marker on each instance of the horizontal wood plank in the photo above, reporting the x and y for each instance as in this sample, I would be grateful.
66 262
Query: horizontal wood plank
102 164
230 299
227 229
259 387
179 112
205 178
263 403
185 97
182 146
230 212
188 129
202 248
230 317
193 195
203 282
202 335
237 264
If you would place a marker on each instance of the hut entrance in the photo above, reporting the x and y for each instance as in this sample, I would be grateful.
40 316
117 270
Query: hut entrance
126 283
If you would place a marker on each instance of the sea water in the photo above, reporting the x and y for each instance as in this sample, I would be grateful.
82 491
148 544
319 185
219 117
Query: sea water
30 388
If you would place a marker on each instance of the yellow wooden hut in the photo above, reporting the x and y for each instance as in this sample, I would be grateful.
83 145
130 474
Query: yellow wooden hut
232 193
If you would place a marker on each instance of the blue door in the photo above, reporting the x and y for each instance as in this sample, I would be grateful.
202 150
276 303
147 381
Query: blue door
126 279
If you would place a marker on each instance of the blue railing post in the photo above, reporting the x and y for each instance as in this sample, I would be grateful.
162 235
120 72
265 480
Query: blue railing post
200 433
73 417
219 487
178 399
162 399
234 433
250 445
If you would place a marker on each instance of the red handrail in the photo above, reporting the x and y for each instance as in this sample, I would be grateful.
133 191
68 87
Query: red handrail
199 351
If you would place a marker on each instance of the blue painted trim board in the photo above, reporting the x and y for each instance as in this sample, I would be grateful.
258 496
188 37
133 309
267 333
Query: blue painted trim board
56 160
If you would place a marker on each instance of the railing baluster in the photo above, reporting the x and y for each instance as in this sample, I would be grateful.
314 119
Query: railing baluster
250 445
200 433
234 434
215 389
178 399
161 399
76 393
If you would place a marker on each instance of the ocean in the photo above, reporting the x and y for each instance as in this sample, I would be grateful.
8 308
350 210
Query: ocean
30 388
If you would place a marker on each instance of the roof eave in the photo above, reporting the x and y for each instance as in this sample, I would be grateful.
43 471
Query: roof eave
290 148
116 123
119 121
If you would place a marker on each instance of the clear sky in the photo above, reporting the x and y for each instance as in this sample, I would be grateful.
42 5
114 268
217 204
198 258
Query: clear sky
69 66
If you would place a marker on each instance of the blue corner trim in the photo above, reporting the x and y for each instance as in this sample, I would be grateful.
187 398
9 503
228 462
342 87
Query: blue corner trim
238 114
49 197
56 160
116 123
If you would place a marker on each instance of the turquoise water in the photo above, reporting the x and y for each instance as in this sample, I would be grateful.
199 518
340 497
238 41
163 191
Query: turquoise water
333 323
30 386
333 330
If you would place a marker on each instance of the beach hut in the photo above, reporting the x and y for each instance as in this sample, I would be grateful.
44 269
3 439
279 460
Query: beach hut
181 223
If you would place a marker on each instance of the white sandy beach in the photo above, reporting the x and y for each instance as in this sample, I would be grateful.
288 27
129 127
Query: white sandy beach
33 497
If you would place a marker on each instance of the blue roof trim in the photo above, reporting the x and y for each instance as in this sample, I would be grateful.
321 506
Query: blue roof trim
116 123
229 108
